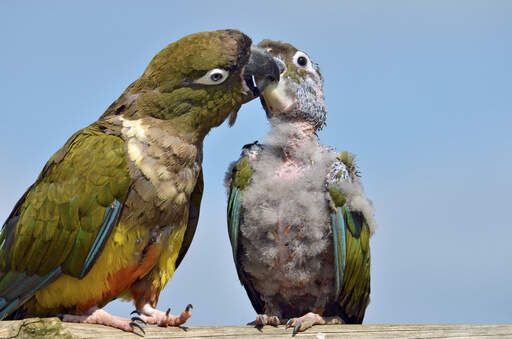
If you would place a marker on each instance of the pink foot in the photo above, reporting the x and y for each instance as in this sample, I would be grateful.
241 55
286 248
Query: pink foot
156 317
98 316
309 320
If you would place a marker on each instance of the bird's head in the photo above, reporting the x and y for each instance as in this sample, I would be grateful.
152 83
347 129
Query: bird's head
298 96
201 79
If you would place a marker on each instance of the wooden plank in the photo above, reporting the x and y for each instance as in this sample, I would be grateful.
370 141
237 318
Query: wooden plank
52 327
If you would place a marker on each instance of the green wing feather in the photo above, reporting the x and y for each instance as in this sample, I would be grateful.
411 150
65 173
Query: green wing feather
234 218
240 178
355 292
193 218
351 236
61 223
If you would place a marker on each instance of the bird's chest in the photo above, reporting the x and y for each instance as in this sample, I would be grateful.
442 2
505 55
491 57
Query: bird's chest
164 169
286 233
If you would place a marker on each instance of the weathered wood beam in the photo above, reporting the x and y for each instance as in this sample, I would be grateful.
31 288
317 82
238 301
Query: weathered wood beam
52 327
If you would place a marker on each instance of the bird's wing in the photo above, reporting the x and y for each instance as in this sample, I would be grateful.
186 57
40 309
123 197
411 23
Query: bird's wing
62 222
351 244
193 218
239 178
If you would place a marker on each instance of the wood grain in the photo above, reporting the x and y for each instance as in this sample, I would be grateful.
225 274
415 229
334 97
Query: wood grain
53 327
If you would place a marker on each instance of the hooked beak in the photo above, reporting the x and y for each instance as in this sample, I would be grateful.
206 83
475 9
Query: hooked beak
278 97
261 70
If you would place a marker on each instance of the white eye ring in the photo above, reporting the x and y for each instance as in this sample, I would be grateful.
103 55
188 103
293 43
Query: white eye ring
213 77
301 59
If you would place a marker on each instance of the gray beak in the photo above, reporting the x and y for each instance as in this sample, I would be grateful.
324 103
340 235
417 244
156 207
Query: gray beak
261 70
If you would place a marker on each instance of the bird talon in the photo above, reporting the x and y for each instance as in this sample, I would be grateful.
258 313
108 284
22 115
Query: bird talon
296 329
167 312
134 319
134 324
288 323
260 321
189 307
135 312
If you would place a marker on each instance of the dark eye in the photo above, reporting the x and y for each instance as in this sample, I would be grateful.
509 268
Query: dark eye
302 61
216 77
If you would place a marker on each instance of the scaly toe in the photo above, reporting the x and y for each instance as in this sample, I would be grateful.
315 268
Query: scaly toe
274 321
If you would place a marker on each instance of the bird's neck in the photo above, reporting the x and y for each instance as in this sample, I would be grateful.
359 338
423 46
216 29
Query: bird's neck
136 107
301 131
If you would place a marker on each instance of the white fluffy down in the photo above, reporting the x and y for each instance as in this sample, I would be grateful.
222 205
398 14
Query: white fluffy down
285 228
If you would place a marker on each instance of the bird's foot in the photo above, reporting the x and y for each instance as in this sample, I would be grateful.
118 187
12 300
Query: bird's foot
309 320
163 319
96 315
263 319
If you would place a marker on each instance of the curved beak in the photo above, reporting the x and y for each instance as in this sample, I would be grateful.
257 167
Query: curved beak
261 71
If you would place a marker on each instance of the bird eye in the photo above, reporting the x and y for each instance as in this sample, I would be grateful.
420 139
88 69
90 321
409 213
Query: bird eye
213 77
301 59
216 77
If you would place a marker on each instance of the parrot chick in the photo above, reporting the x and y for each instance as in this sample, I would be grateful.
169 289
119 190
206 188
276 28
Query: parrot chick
299 222
114 211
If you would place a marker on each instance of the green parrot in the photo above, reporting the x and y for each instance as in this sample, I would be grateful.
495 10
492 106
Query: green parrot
299 222
114 211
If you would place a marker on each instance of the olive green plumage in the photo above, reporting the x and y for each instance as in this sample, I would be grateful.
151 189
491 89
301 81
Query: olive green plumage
114 211
242 173
192 107
62 212
59 226
337 197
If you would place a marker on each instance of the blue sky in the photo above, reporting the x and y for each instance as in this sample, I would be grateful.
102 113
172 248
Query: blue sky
420 91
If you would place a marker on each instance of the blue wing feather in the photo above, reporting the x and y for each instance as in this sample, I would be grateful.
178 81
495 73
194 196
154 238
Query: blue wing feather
109 220
340 248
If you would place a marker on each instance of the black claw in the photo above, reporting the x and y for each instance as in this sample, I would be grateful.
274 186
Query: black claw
296 329
189 307
288 323
138 319
135 312
184 328
167 312
134 324
261 319
60 316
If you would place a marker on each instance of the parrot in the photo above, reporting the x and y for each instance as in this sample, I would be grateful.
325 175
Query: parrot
299 222
113 212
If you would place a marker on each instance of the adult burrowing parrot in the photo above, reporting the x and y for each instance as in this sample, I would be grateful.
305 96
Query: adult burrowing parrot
298 220
113 212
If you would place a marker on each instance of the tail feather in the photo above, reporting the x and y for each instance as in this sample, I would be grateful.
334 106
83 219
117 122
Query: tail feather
16 288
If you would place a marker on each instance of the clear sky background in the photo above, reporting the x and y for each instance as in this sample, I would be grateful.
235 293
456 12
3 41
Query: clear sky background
420 90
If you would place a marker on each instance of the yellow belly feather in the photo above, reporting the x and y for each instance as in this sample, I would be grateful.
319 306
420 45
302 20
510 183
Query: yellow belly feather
120 251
